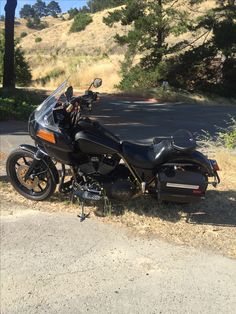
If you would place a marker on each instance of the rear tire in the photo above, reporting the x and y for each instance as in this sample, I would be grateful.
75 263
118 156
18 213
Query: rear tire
38 189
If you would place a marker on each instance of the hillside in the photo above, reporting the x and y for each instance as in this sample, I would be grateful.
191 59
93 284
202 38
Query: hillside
82 55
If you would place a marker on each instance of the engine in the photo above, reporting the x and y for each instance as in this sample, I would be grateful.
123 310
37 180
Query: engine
105 177
99 165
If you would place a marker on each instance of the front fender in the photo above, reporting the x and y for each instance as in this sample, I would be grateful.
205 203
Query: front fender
46 159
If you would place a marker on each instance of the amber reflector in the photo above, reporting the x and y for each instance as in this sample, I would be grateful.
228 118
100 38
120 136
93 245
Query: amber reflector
47 136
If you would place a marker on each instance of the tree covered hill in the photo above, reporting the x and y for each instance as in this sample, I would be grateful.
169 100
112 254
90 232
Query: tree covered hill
54 52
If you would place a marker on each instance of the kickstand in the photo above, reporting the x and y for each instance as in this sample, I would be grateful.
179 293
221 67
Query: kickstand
83 216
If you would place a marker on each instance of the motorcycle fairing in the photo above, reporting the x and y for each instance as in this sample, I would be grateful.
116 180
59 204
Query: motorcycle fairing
43 114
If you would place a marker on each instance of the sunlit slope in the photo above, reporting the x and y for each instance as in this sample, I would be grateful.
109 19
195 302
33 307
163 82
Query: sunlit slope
83 55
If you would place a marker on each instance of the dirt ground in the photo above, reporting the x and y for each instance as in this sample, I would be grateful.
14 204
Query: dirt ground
211 224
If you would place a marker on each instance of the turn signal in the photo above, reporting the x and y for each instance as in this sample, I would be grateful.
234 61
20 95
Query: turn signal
46 135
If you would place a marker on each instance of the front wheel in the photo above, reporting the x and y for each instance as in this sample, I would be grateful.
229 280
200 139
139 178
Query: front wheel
40 186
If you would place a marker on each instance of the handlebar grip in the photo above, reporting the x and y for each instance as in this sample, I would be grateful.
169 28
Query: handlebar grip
70 108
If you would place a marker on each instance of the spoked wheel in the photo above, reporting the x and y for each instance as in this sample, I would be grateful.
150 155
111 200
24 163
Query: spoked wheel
39 186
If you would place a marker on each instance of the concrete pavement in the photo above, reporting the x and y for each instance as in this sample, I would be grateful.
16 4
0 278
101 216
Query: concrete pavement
52 263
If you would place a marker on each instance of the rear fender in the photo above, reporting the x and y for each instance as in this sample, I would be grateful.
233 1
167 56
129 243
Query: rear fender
195 158
45 158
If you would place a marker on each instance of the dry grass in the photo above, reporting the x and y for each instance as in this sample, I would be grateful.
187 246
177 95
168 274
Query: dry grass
81 70
84 55
210 224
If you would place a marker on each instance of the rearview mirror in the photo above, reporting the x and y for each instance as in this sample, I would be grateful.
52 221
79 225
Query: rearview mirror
69 93
97 82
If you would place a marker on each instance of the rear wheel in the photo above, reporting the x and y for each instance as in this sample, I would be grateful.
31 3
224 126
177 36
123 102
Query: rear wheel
40 186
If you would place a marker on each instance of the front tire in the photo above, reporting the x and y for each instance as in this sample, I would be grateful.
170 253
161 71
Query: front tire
39 188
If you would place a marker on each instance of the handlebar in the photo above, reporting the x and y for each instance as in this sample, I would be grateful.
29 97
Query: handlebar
67 111
85 100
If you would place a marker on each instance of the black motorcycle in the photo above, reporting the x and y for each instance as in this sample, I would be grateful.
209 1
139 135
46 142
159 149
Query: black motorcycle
99 165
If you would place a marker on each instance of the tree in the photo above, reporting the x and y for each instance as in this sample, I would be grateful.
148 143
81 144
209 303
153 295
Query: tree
72 13
27 12
36 23
99 5
210 66
22 71
40 8
153 21
53 8
84 9
8 68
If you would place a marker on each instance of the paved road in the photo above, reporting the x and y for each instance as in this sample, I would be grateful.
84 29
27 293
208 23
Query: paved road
137 120
52 263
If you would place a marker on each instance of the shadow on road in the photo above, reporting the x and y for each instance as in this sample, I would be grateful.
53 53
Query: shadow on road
142 120
14 128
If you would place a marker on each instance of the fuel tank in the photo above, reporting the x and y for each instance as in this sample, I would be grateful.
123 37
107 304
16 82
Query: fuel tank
96 144
92 138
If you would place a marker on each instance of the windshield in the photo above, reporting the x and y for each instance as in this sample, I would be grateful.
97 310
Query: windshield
44 112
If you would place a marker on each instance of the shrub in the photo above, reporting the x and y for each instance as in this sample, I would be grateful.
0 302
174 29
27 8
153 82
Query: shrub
225 137
36 23
38 39
81 20
228 136
51 75
23 34
18 104
138 78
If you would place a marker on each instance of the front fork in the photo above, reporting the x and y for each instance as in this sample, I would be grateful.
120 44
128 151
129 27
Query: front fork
38 156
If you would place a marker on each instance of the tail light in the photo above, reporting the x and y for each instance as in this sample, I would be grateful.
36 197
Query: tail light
215 165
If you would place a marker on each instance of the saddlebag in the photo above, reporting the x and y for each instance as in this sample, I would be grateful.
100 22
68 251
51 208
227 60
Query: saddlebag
180 186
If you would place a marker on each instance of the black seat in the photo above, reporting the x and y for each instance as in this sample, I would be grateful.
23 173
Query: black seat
162 151
149 156
140 156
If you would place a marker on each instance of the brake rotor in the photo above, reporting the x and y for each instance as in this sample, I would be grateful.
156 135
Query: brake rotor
29 183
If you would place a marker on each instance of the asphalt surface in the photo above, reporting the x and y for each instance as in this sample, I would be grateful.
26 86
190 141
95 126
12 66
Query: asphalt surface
138 120
52 263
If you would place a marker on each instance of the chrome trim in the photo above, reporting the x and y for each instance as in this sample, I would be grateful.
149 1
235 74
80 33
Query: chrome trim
177 164
143 186
182 186
42 151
